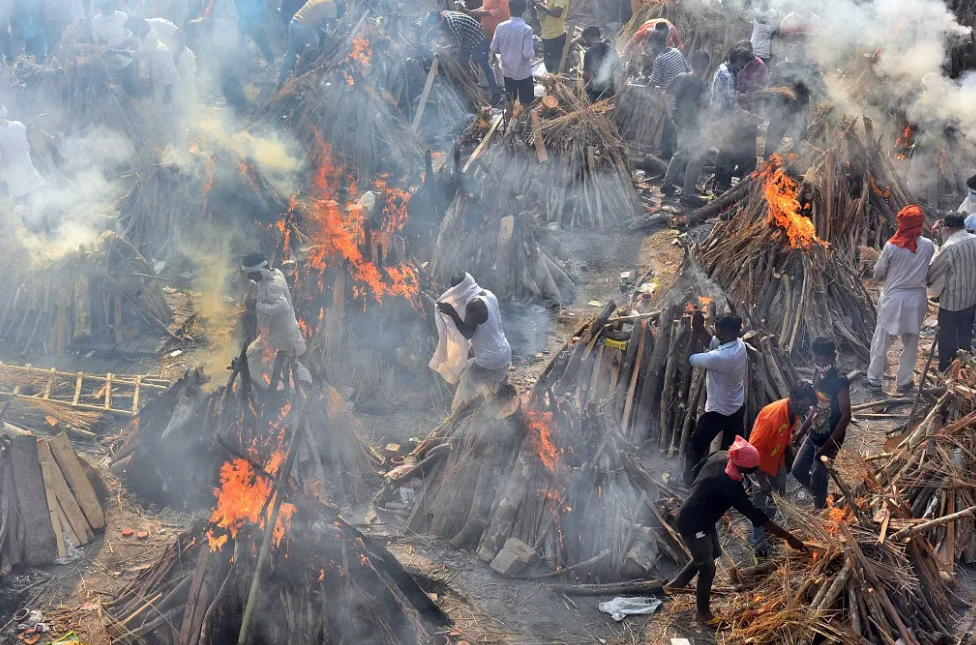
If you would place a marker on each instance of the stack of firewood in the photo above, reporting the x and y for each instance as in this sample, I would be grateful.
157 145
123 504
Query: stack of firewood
106 292
48 503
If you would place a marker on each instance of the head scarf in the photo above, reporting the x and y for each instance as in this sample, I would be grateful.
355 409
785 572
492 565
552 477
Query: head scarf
742 454
261 267
910 220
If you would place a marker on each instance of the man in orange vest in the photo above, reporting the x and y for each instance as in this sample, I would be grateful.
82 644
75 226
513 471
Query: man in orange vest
771 436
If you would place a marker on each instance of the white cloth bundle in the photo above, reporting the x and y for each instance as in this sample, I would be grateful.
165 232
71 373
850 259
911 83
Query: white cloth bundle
451 353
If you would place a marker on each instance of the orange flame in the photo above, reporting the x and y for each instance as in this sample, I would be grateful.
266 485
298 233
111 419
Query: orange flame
781 193
540 436
240 498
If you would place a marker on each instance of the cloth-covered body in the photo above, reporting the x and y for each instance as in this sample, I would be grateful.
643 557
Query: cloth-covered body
277 325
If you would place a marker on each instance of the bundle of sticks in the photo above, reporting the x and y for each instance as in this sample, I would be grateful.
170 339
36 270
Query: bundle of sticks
105 292
177 212
639 113
322 581
701 26
859 587
524 485
48 501
494 235
770 261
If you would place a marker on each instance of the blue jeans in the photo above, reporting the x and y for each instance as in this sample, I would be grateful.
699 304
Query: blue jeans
299 37
482 59
809 471
764 502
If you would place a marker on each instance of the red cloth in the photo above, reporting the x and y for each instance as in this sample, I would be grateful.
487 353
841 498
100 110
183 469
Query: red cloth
771 435
645 30
910 220
741 455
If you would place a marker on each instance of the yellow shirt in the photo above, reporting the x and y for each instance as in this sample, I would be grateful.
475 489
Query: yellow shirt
554 27
314 12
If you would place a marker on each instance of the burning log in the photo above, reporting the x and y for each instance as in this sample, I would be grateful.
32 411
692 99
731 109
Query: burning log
48 504
769 259
104 293
174 452
586 181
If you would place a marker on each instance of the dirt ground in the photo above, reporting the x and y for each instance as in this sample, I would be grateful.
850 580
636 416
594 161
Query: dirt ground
489 609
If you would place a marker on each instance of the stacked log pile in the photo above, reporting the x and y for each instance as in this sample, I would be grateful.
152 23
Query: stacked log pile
103 293
494 235
48 505
780 274
639 113
533 480
173 452
860 587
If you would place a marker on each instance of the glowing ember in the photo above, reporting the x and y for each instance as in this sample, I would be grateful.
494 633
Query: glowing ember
781 193
361 53
540 436
241 497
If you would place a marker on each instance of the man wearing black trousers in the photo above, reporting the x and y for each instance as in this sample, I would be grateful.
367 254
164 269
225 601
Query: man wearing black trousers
725 366
952 278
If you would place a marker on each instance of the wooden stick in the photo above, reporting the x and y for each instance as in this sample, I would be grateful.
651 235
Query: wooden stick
484 143
424 95
921 382
939 521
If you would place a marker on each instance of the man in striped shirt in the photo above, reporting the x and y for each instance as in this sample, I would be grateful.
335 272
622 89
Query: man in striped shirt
952 278
668 63
469 40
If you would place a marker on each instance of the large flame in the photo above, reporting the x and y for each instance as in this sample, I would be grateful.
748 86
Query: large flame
781 193
540 436
240 498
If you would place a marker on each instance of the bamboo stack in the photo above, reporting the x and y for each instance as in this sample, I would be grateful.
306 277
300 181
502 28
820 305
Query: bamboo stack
48 503
325 582
639 113
103 293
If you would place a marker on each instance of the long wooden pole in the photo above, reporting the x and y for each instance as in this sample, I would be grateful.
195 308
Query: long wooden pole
424 95
908 531
276 492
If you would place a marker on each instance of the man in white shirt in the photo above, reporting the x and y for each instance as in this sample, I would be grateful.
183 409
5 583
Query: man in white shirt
186 61
17 172
725 365
108 25
763 26
513 40
903 265
952 278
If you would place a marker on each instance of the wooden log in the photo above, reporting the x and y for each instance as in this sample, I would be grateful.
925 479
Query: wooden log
197 601
696 394
44 457
81 488
40 546
908 531
428 84
769 355
637 587
12 552
678 338
66 525
727 198
503 515
76 518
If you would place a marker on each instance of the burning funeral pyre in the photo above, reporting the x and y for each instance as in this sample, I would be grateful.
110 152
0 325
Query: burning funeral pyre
105 293
274 562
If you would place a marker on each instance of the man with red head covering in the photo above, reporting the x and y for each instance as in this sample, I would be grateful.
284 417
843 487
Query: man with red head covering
903 265
717 488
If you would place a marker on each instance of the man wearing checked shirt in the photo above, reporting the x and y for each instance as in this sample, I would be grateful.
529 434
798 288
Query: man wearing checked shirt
469 40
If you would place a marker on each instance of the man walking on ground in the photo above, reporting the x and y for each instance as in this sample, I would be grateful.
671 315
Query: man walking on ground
600 65
469 41
828 426
513 40
772 435
952 279
725 366
552 18
718 487
903 265
729 119
685 100
668 64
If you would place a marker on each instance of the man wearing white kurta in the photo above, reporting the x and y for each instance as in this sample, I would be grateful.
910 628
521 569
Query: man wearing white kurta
903 266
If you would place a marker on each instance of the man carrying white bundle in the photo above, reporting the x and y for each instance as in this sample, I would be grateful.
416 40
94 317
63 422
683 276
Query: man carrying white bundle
478 329
277 326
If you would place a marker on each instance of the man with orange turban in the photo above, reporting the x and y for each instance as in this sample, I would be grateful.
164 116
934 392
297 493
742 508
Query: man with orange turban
717 488
903 265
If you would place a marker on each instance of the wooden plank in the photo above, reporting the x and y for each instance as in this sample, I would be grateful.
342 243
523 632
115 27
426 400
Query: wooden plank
72 512
484 143
81 488
44 456
540 145
117 301
79 406
66 525
108 392
50 384
424 95
40 546
135 396
77 394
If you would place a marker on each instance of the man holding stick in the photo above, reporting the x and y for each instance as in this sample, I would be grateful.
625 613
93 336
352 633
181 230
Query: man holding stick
725 366
718 488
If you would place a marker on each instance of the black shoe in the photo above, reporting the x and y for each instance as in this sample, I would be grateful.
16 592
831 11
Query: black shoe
669 190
